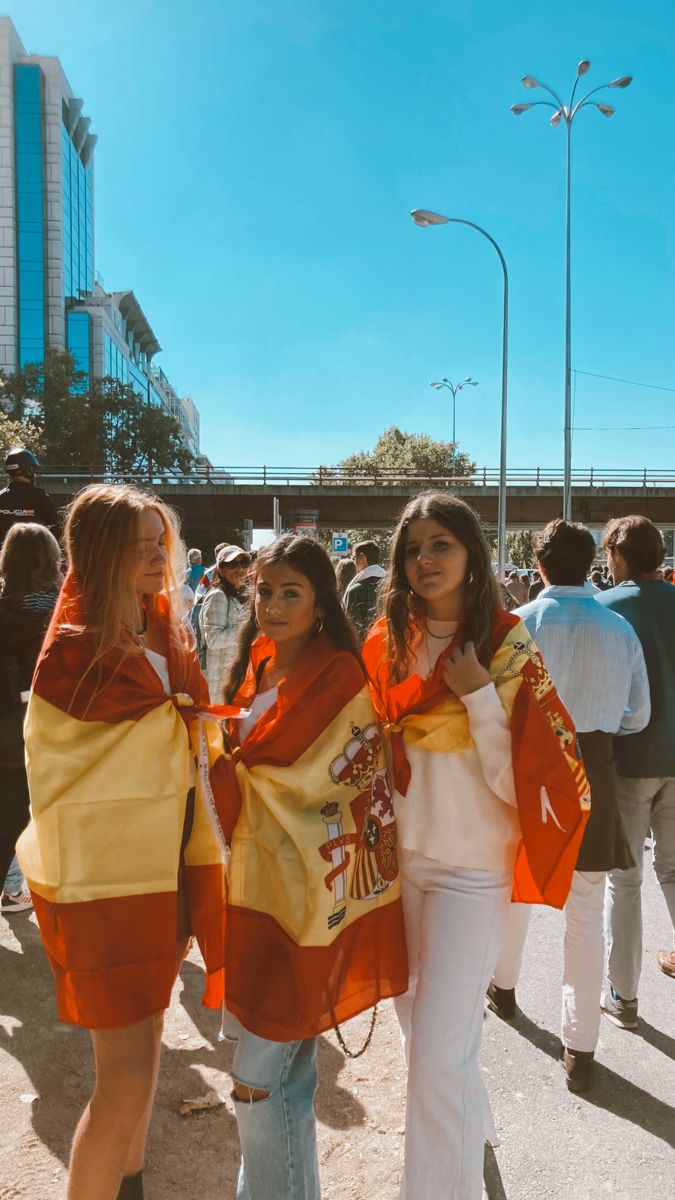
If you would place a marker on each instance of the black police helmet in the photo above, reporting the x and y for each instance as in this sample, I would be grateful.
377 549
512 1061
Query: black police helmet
21 462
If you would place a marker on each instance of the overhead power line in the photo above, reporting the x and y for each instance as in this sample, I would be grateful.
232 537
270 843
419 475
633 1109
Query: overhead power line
656 387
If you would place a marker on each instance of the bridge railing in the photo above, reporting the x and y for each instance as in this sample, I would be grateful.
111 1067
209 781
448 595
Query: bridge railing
74 477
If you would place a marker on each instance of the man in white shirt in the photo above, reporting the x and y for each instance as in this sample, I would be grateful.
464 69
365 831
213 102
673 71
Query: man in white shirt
599 671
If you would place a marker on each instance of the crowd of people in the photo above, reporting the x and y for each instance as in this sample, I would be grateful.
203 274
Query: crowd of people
345 786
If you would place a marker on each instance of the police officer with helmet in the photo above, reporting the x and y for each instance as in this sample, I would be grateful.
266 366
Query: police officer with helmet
22 501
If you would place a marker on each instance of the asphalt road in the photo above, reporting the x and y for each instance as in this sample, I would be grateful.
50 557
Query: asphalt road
617 1141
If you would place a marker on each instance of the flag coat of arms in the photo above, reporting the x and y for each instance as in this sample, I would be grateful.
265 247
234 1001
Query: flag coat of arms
314 920
552 792
109 766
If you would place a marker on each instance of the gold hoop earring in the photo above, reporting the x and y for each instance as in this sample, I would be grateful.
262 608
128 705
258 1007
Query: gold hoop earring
318 625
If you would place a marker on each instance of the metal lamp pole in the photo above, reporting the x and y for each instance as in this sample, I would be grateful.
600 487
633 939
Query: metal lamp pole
565 114
423 217
454 388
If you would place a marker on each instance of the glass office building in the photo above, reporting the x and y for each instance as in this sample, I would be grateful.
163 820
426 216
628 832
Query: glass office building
78 220
50 295
30 201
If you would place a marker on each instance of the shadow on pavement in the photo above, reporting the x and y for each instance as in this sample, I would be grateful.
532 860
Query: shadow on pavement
660 1041
610 1091
492 1177
57 1061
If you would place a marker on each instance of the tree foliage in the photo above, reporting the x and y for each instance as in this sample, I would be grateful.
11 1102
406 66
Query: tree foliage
410 453
102 424
19 433
520 548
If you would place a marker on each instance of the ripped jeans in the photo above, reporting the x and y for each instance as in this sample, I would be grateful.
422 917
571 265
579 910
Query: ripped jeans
277 1135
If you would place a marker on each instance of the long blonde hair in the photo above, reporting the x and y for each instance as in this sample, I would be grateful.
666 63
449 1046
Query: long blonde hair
100 541
30 561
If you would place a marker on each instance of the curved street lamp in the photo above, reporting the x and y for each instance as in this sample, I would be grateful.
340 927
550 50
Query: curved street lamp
565 114
454 389
423 217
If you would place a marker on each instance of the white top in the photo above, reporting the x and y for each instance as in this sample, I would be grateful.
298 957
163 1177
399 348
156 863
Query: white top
257 707
159 664
461 808
597 665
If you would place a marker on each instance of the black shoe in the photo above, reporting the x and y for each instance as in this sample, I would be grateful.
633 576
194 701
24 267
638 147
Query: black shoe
578 1066
132 1187
502 1001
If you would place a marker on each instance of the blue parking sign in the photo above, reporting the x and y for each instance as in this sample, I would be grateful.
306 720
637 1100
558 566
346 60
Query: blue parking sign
340 543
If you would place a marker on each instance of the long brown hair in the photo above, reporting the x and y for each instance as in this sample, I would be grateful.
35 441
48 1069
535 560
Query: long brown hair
100 537
308 558
30 561
481 597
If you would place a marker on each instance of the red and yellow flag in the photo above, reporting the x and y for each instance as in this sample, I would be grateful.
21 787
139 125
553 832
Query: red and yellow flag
109 768
314 920
551 787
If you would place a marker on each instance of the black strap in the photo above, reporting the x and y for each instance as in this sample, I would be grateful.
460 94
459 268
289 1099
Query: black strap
261 671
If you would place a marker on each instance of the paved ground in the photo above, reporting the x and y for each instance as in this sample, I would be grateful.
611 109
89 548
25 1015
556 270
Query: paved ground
616 1142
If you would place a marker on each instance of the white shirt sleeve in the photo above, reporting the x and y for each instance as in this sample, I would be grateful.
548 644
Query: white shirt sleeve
639 708
491 733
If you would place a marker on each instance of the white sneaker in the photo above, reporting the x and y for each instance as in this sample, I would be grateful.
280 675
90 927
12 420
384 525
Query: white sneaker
16 902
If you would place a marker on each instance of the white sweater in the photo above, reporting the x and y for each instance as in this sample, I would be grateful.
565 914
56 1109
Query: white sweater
461 808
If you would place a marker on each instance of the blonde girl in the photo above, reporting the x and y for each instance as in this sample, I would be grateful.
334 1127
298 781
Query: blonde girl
119 856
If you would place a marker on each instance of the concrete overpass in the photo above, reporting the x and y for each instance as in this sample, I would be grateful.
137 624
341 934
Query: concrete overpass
209 499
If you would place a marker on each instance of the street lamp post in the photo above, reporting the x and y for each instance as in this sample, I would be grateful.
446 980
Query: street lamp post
454 388
423 218
565 114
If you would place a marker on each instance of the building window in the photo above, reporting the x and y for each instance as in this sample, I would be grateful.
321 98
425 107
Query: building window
28 106
79 340
78 225
116 365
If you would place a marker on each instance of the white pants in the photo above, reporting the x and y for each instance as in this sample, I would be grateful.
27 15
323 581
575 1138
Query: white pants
454 921
644 804
583 960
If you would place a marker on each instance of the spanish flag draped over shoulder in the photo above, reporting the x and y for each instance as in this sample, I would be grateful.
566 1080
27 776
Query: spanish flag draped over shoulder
314 920
552 791
108 757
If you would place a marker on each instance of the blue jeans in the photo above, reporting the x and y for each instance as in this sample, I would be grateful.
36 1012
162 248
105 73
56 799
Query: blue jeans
277 1135
15 881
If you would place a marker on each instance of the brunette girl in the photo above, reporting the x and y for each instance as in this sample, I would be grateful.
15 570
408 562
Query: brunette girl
314 923
30 579
120 858
488 801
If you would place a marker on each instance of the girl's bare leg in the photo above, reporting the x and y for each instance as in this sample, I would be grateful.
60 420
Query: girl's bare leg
136 1155
109 1141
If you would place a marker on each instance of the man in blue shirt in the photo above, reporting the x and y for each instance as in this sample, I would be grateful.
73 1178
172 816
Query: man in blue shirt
597 666
646 762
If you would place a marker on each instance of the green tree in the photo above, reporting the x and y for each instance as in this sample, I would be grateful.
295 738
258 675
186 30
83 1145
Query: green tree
520 548
410 453
103 425
19 433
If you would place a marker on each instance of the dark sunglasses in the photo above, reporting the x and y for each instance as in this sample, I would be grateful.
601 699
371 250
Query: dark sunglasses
237 562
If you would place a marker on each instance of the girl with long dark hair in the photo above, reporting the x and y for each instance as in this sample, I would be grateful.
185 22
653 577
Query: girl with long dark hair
490 802
314 922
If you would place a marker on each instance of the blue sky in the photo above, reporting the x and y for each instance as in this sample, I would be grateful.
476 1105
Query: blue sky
256 164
